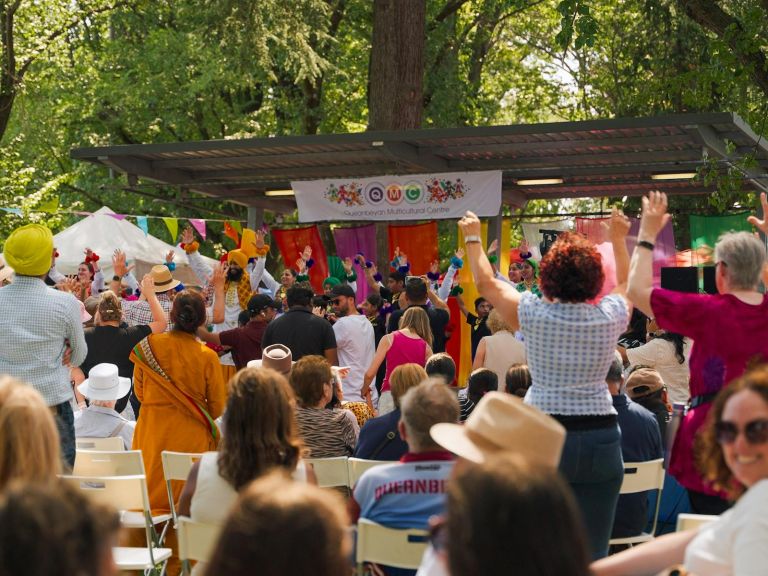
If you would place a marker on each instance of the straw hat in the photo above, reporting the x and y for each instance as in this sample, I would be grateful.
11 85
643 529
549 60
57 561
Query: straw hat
277 357
103 383
163 278
503 423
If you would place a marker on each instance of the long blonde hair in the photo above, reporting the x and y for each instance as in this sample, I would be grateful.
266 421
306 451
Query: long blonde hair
29 440
417 321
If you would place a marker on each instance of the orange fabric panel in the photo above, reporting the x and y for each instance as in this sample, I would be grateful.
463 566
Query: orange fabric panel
418 242
291 243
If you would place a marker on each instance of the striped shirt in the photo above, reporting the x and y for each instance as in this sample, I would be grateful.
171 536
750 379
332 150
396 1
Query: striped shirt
326 433
36 323
570 347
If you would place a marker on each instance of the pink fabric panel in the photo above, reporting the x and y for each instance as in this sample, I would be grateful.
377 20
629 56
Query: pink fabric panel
350 241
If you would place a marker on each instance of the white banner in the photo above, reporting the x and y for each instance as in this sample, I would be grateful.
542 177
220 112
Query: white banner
413 197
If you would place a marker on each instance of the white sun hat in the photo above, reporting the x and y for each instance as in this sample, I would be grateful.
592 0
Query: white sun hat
103 383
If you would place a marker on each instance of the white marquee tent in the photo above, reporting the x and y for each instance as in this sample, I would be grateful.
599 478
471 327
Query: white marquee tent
104 234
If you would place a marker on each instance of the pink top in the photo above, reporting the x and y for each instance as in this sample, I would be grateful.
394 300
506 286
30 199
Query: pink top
404 350
728 336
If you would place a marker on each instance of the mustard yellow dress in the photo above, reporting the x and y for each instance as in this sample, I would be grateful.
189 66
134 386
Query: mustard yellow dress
180 386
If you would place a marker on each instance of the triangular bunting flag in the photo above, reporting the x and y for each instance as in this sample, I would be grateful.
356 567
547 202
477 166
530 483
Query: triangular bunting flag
118 216
51 206
229 230
173 227
198 225
16 211
143 223
237 226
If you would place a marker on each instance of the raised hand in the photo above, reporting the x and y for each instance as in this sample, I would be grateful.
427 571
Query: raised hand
347 263
307 253
301 266
89 257
219 276
69 284
654 216
618 225
259 242
360 260
761 225
434 267
459 253
147 285
187 235
170 256
470 224
494 246
118 263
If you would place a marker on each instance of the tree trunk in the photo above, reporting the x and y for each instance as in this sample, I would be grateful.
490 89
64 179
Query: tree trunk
396 78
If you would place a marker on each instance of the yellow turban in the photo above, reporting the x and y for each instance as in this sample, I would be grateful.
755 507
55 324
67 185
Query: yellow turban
239 257
28 250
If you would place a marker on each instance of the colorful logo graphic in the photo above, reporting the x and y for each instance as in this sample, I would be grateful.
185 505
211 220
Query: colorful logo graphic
347 194
374 192
414 192
395 194
440 191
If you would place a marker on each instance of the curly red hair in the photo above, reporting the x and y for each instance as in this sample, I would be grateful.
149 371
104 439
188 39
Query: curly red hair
572 270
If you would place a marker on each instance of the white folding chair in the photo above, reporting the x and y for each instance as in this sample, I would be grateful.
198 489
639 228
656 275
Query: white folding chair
389 546
687 521
126 493
130 463
330 472
113 444
642 477
196 542
359 465
176 466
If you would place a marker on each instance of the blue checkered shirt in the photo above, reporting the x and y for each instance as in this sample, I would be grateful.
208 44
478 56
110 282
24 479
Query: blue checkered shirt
570 348
36 321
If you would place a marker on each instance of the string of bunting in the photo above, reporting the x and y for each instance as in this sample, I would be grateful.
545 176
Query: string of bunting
232 228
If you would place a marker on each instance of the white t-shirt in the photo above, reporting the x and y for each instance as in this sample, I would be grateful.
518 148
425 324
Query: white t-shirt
355 344
660 355
737 544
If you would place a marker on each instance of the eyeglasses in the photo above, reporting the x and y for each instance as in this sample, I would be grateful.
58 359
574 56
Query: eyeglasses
438 534
756 432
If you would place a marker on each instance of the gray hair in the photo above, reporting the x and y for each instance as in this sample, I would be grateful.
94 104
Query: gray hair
743 256
616 370
423 406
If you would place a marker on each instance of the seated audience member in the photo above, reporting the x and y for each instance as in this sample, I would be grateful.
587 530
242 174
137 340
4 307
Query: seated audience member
517 380
640 442
501 349
645 387
441 365
54 530
102 388
326 433
530 504
481 381
276 357
283 528
29 441
732 454
260 436
501 425
408 493
380 438
357 412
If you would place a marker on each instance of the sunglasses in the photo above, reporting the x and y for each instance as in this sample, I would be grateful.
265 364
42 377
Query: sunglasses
756 432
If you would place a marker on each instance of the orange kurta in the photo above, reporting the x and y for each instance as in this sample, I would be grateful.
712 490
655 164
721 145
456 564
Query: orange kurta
164 422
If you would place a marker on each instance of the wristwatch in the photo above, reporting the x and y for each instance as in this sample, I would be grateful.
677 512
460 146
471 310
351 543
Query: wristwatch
472 238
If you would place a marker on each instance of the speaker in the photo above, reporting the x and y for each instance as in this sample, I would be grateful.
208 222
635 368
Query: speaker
709 280
685 279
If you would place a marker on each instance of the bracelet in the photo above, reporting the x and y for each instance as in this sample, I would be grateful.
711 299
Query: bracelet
472 238
645 244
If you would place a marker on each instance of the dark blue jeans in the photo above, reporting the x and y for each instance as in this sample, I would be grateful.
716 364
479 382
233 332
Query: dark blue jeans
65 422
592 465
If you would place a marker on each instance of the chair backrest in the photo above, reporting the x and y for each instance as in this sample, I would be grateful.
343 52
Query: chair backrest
196 541
120 492
113 444
643 476
91 463
390 546
176 466
330 471
687 521
359 465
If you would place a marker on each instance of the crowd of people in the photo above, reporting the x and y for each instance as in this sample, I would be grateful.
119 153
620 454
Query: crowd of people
518 469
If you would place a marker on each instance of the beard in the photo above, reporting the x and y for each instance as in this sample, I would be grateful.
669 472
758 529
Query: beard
235 274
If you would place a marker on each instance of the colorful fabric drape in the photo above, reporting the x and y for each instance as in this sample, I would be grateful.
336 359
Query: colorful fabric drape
418 242
291 243
350 241
664 252
705 231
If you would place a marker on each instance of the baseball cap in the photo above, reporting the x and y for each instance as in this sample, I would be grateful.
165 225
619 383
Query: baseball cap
259 302
343 290
643 382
